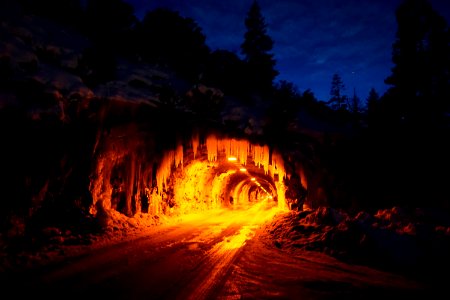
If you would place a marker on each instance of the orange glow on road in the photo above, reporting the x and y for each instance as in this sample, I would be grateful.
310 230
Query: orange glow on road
253 217
249 219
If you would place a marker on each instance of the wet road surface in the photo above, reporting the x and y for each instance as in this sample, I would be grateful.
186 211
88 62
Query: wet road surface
218 255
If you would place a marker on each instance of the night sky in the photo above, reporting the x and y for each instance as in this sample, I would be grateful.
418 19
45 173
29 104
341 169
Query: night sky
313 39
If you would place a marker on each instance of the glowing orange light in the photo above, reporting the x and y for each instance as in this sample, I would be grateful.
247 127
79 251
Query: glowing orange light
232 158
243 169
253 179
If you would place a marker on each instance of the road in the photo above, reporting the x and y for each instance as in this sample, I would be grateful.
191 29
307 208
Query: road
222 254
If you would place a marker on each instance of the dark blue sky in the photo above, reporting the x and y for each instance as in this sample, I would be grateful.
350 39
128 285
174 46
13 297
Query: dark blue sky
313 39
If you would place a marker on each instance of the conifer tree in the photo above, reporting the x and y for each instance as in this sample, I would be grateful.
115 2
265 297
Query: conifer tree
372 108
256 49
372 99
355 103
421 56
337 100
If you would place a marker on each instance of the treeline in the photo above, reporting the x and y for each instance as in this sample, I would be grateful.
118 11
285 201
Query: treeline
419 80
402 156
162 37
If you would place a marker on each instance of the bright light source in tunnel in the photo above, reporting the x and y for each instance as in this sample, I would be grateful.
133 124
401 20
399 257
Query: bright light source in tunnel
243 169
253 179
232 158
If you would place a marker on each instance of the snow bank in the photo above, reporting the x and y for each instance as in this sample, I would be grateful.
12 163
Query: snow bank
391 238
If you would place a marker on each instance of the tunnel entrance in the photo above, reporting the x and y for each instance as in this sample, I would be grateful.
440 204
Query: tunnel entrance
202 174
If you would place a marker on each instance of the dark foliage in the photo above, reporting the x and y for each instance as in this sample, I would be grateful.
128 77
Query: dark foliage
284 109
338 101
401 159
420 79
355 103
372 107
167 38
257 47
225 70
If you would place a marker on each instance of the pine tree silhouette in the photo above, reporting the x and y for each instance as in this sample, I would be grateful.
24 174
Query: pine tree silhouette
337 100
257 48
420 91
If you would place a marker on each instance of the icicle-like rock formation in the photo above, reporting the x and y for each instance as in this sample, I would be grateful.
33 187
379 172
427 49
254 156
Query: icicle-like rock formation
242 149
131 180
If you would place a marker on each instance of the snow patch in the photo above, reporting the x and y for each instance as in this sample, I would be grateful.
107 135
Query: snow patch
394 238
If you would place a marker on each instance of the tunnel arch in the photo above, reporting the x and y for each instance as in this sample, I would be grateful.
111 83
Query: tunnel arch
224 174
195 174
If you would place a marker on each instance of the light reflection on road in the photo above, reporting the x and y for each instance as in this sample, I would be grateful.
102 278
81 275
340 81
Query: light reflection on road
220 254
188 259
220 257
